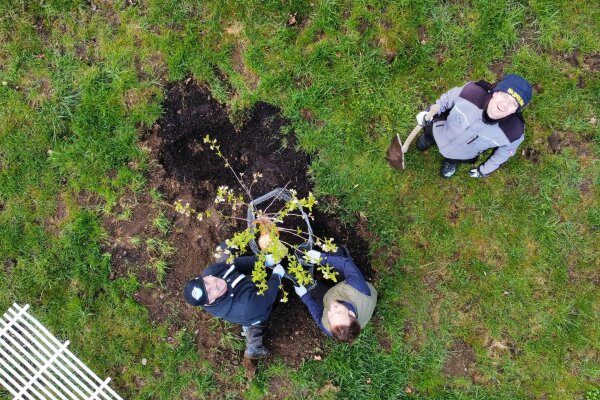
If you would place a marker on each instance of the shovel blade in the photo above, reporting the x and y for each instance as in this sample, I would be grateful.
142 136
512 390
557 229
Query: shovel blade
395 155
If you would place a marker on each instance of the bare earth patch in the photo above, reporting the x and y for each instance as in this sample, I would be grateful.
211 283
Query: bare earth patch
592 62
498 68
582 146
240 66
187 170
460 361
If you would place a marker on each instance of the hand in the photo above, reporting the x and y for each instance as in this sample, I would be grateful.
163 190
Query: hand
312 257
278 270
476 173
433 111
421 118
269 260
300 290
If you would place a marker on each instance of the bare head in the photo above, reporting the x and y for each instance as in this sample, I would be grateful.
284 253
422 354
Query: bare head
215 288
344 325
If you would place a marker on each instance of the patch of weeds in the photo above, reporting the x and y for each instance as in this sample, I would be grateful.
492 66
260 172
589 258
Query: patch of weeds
125 215
231 340
128 285
160 250
156 195
135 241
240 114
593 394
162 223
160 266
159 246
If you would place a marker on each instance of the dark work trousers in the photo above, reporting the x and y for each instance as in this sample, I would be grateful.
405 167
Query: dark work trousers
254 338
428 132
254 335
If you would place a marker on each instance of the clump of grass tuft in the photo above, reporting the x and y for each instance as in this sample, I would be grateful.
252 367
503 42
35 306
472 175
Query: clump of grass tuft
162 223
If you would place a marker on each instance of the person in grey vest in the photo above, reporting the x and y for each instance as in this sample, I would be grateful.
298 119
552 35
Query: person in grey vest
227 291
466 121
346 307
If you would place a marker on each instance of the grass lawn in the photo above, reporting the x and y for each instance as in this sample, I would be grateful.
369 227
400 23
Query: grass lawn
490 289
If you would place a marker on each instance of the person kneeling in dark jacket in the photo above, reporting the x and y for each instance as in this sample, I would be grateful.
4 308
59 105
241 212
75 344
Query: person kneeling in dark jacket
227 291
346 307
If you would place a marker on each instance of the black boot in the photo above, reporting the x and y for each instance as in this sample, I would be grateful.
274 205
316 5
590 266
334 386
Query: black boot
448 168
254 342
424 142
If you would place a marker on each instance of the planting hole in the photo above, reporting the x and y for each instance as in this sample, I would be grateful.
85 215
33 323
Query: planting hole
189 171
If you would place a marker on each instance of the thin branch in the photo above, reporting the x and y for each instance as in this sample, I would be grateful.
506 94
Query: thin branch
290 214
280 210
276 197
229 216
288 244
292 232
228 165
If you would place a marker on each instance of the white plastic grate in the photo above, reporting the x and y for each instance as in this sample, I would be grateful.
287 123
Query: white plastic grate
35 365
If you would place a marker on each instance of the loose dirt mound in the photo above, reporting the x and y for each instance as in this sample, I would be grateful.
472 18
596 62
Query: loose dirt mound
189 171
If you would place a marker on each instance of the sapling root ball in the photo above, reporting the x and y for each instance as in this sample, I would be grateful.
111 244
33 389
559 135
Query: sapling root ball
264 241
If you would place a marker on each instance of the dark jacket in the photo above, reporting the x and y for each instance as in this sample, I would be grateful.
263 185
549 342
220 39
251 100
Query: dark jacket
242 304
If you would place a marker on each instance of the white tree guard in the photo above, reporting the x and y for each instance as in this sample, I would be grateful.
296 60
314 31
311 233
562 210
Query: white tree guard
35 365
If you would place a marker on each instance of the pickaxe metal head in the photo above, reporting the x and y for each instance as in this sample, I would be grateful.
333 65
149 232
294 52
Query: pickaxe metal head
395 153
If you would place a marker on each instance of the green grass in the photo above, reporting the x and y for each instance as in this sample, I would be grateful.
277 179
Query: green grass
514 272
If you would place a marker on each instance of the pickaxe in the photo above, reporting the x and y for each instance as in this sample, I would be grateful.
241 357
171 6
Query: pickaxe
395 153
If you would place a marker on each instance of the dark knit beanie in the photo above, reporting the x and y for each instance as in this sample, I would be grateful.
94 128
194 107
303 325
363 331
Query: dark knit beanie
195 292
517 86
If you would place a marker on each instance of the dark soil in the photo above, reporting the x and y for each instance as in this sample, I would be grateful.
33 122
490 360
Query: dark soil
187 170
592 62
240 66
422 32
363 25
498 68
384 339
554 142
531 154
461 358
557 141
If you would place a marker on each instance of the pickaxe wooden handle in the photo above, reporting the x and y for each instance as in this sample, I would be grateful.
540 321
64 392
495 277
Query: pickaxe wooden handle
411 137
